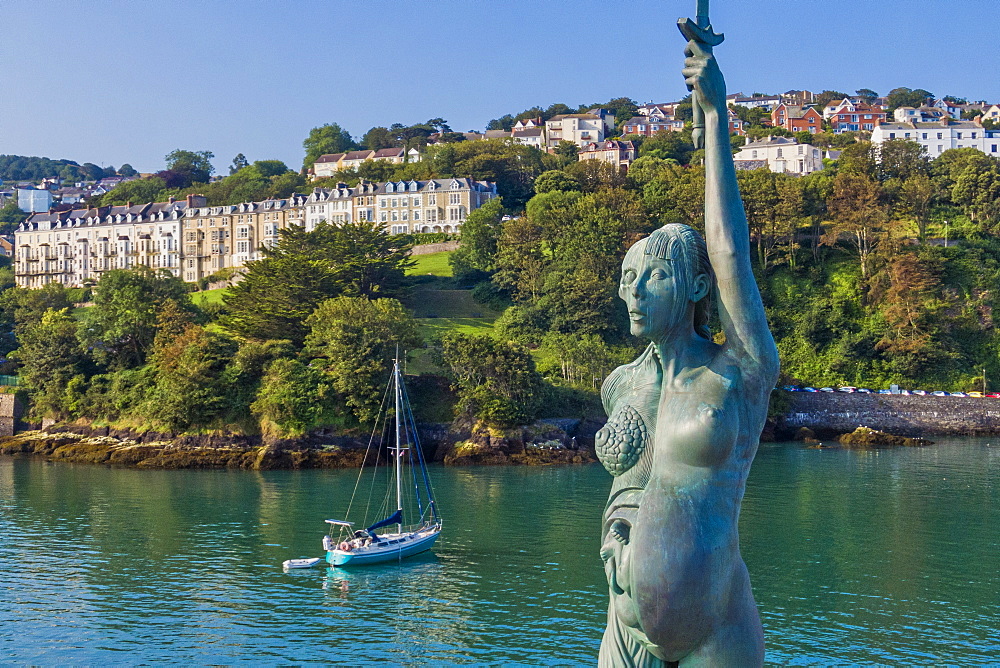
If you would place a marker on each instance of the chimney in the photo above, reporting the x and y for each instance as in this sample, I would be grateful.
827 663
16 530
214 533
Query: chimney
171 199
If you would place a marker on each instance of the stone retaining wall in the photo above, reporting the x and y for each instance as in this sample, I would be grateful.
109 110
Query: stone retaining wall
840 413
427 249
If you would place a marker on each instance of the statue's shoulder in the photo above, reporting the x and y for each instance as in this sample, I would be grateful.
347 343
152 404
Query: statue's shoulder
642 372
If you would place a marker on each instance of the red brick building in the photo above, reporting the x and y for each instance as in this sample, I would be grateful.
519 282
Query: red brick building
796 118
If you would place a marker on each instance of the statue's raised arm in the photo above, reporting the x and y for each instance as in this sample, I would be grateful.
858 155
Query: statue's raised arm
726 233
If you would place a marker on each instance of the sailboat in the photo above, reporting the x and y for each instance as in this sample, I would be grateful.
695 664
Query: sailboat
347 546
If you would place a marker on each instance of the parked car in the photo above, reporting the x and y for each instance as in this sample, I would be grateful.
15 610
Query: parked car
791 388
977 395
847 388
809 389
905 392
993 395
885 391
919 393
939 393
827 389
864 390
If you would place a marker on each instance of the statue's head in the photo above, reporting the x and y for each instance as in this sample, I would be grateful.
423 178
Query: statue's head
667 283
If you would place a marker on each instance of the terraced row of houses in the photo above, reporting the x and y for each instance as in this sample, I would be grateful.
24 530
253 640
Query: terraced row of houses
193 240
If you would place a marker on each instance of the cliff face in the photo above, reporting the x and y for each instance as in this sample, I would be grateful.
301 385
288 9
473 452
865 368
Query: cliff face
839 413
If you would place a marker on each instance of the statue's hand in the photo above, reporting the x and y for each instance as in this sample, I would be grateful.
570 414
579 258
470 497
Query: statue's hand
702 74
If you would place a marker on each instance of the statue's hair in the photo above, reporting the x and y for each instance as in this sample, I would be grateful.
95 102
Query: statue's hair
682 244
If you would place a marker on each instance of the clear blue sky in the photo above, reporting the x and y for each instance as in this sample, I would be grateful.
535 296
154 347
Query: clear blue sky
128 81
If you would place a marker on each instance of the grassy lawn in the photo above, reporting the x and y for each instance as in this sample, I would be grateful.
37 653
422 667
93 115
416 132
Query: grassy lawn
435 264
208 296
448 304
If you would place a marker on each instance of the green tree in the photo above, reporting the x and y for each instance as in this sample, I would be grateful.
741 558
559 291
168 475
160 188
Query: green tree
51 357
11 216
140 190
867 94
190 388
828 96
293 399
906 97
668 145
496 381
378 138
859 216
555 179
917 195
329 138
279 292
239 162
196 166
356 340
120 328
977 192
480 234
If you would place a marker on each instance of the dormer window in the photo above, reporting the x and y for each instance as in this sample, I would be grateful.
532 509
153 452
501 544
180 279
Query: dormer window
389 188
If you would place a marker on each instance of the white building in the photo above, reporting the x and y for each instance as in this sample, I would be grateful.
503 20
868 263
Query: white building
332 205
31 200
940 136
780 154
581 129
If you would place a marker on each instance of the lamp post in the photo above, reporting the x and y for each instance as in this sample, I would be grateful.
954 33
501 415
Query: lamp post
946 234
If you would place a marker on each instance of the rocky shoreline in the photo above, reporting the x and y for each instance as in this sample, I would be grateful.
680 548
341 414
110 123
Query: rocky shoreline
541 444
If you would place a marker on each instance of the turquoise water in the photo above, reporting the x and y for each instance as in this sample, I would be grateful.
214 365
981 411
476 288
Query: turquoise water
880 557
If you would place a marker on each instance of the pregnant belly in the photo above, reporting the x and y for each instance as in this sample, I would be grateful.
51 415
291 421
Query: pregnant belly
682 556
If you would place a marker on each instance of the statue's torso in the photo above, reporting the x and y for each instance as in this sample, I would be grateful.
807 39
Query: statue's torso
678 504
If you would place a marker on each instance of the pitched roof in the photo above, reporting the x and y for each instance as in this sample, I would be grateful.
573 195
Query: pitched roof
389 153
330 157
359 155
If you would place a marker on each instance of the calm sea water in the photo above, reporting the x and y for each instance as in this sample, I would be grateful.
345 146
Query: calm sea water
880 557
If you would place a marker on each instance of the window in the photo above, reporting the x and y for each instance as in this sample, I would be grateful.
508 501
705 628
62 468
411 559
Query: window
994 148
454 198
779 152
431 215
242 246
892 135
940 136
432 199
924 135
416 213
395 202
406 215
416 200
395 215
959 135
382 202
754 155
384 217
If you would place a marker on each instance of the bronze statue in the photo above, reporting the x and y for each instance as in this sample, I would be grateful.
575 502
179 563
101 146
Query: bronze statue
685 419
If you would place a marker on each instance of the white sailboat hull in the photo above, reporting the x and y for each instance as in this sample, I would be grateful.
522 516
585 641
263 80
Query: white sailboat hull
391 547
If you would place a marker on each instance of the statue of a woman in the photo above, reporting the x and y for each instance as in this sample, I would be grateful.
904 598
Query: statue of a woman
684 423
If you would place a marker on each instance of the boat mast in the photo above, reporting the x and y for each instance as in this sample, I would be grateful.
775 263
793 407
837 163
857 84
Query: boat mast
399 446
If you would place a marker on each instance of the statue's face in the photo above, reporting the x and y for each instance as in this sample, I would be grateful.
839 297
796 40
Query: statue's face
650 289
